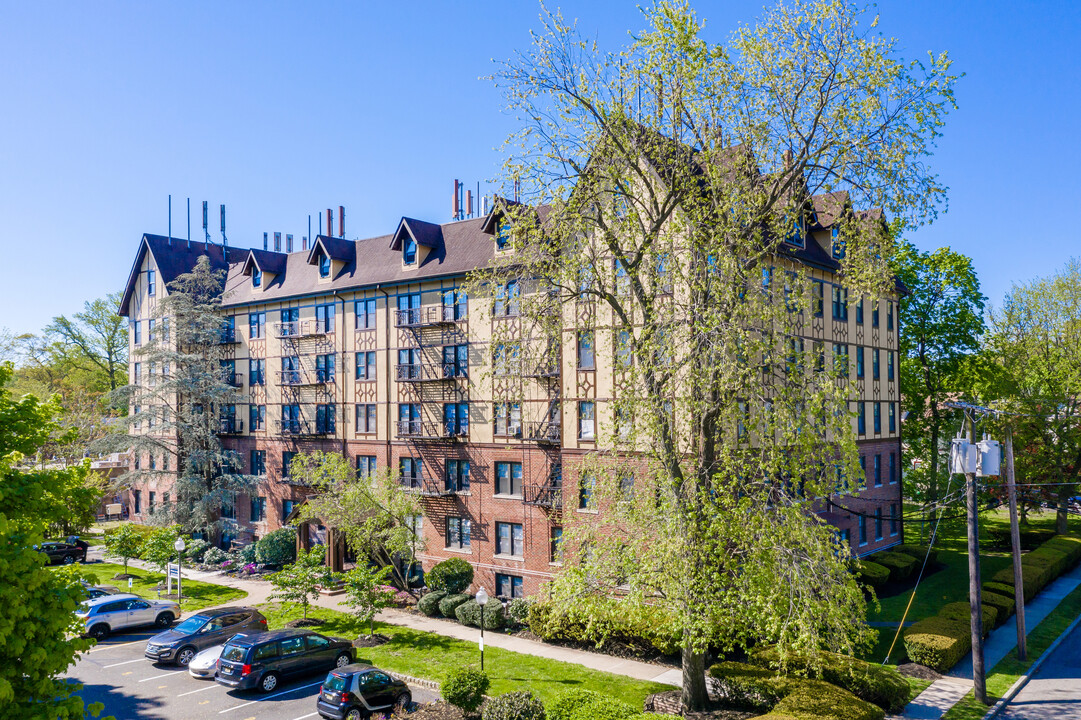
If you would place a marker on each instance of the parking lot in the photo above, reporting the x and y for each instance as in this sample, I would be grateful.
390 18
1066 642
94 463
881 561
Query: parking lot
115 673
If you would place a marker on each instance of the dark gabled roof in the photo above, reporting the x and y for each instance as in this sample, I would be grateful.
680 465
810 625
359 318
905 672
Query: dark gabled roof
430 235
174 257
334 248
828 208
265 260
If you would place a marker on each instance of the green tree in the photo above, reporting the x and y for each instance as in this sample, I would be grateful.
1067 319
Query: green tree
39 632
943 313
1036 338
367 593
300 581
125 542
97 336
157 547
660 185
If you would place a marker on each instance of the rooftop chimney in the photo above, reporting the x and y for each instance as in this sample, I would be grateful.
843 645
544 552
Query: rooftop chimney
469 203
277 242
330 223
304 243
341 221
457 208
288 243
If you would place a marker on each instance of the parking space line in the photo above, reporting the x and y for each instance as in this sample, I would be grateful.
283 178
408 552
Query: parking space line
161 676
271 697
192 692
100 646
126 662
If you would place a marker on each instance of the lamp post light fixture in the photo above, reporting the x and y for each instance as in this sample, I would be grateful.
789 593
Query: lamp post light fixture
482 600
179 546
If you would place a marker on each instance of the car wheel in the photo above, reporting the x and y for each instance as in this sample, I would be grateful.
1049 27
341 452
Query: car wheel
184 656
164 620
99 631
353 714
68 560
269 682
403 702
343 660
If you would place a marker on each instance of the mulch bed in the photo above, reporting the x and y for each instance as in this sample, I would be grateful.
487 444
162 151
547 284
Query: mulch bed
918 671
123 576
667 701
304 622
368 641
436 711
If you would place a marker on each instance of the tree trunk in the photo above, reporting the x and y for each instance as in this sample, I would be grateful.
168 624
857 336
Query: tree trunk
1065 492
694 695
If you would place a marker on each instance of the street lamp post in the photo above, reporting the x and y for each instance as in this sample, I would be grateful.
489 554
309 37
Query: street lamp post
179 546
482 600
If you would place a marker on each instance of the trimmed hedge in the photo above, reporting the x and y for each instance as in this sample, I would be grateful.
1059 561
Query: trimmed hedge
453 575
468 613
823 701
1030 538
871 573
450 603
755 688
917 551
429 602
900 565
963 611
938 642
519 705
585 704
598 619
882 686
749 687
1002 603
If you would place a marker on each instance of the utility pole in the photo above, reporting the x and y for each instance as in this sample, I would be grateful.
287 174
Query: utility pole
979 680
1015 541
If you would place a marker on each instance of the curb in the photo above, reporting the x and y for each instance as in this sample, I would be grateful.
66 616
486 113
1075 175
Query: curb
1023 680
430 684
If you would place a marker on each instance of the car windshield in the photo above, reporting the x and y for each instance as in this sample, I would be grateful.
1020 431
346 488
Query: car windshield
191 625
335 682
234 653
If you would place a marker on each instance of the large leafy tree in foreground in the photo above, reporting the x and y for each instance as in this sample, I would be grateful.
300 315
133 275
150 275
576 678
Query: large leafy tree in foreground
659 186
39 633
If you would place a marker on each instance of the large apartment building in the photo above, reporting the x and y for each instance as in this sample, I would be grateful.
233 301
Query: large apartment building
372 348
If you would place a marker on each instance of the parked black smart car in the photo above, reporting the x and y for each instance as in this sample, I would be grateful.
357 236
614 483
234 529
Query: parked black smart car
205 629
263 660
356 691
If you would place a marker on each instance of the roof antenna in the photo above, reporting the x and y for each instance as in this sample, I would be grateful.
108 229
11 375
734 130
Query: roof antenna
206 231
265 246
170 220
309 231
189 223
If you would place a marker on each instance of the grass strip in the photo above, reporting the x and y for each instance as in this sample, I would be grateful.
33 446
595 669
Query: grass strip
197 595
428 655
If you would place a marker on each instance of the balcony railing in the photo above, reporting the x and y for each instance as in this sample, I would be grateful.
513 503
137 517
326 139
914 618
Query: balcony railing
425 316
303 427
304 377
547 431
300 328
227 336
425 486
233 379
422 430
425 372
230 426
548 494
543 369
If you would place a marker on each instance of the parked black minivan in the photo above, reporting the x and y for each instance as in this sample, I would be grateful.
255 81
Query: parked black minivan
205 629
264 660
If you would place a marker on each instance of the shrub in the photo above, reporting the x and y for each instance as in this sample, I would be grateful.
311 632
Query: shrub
823 701
900 565
518 612
196 550
514 706
450 603
748 687
1003 604
453 575
963 611
872 573
214 556
1031 576
999 588
598 619
605 709
246 554
468 613
1068 545
429 603
1030 537
464 688
917 551
938 642
587 705
276 548
564 705
874 683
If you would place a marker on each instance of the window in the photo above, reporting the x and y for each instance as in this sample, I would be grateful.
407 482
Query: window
137 497
291 419
767 278
586 420
256 371
287 462
458 532
366 419
151 286
365 312
861 418
228 507
409 309
859 362
623 280
324 318
624 355
508 586
818 298
324 368
889 365
150 329
891 411
859 312
457 475
290 370
840 360
256 277
503 235
508 478
743 415
818 349
153 499
136 410
874 314
626 486
165 329
586 355
416 525
410 471
287 507
555 551
664 279
409 250
509 539
863 469
456 419
258 462
508 419
228 371
894 520
878 470
889 315
455 305
324 418
878 523
878 418
256 417
324 265
365 365
795 234
840 303
586 486
408 419
136 373
893 468
838 245
863 529
366 466
153 462
874 364
456 361
256 325
136 333
506 300
505 359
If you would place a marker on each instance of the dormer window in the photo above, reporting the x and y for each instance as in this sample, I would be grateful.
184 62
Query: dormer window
409 250
838 244
502 237
256 277
795 234
324 266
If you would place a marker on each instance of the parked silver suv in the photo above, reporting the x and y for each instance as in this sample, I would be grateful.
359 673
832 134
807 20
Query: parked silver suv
110 613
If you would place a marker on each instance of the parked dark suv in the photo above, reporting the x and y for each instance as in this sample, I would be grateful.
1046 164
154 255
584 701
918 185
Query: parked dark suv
206 629
263 660
356 691
65 553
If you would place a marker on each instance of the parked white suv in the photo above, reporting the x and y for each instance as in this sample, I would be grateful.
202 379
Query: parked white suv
110 613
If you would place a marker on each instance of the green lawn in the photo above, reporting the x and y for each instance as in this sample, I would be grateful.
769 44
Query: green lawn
197 595
430 656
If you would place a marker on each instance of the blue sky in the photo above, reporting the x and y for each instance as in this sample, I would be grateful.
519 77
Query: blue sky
280 110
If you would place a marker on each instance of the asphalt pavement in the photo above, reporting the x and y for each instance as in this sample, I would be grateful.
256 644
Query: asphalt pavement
115 673
1054 692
